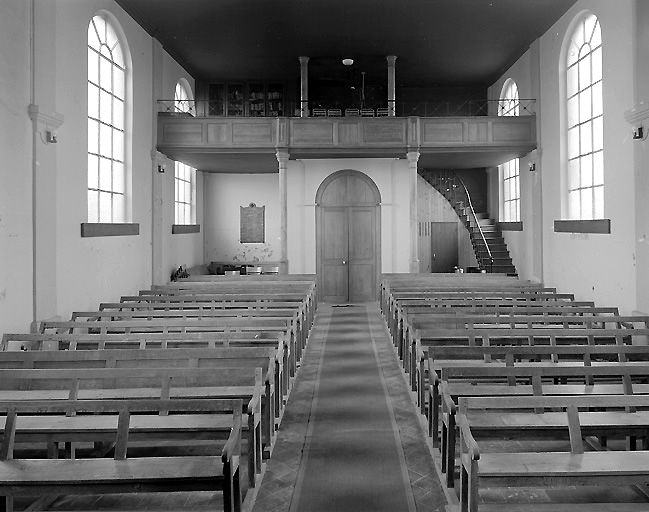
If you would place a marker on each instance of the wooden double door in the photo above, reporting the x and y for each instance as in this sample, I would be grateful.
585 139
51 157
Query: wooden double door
348 246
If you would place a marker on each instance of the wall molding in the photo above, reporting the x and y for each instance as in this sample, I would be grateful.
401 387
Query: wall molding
41 120
183 229
601 226
90 229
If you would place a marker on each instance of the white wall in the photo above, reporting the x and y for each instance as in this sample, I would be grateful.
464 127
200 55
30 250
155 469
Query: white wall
16 170
391 177
69 272
224 195
641 154
525 247
594 267
433 207
175 249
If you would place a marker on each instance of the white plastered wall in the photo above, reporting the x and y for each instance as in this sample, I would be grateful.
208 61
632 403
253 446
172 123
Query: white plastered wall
68 272
641 154
16 170
390 176
525 247
225 194
176 249
598 267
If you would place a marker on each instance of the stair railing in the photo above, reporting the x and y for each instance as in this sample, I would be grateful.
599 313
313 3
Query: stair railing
452 181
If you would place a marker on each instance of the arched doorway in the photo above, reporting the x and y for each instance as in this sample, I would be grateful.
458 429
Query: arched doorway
348 228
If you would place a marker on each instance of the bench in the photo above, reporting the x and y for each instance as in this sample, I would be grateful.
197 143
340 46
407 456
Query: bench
186 325
562 469
120 474
526 380
407 310
434 359
263 358
529 417
136 383
493 307
544 335
295 318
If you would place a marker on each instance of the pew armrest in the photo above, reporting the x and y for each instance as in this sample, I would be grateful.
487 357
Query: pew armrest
467 438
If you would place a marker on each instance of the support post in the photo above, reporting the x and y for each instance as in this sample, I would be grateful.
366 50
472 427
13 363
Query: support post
391 85
304 86
282 161
413 158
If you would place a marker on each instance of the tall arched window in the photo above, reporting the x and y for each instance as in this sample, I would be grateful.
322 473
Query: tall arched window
509 172
184 176
106 123
585 127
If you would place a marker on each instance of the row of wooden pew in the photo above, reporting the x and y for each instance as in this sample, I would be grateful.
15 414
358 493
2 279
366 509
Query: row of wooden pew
179 388
523 386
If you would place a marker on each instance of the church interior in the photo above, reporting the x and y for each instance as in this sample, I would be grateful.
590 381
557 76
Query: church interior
316 256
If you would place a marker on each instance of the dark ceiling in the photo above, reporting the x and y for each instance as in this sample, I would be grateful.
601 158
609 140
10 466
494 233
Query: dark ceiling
437 42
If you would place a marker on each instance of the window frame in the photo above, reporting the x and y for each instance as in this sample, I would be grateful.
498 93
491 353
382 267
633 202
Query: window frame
107 116
509 172
584 120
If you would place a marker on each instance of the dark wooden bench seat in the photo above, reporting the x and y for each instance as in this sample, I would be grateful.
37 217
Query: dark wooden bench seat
295 321
550 469
144 383
531 380
434 359
541 335
121 474
185 325
266 359
534 417
398 323
493 308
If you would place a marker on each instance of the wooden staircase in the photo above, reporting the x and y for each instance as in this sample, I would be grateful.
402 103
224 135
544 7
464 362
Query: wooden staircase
483 230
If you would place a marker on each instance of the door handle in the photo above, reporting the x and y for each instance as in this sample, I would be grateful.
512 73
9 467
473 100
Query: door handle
344 262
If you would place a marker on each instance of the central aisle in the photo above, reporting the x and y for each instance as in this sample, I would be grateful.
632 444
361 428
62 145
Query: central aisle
350 438
353 455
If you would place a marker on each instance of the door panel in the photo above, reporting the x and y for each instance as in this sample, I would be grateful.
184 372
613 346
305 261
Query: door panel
362 257
348 239
444 246
335 234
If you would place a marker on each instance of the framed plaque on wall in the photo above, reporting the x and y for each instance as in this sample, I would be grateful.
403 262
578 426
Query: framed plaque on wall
252 220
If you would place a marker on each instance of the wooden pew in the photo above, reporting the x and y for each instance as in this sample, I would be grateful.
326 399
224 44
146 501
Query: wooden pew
414 325
536 380
120 474
561 469
185 325
483 298
58 384
425 338
296 320
305 301
406 309
248 359
436 358
483 305
585 355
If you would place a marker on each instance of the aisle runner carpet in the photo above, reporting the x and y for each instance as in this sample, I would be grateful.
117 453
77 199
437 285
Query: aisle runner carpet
353 458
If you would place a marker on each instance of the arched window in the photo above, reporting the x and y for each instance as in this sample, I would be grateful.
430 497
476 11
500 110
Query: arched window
509 172
185 176
585 127
106 123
